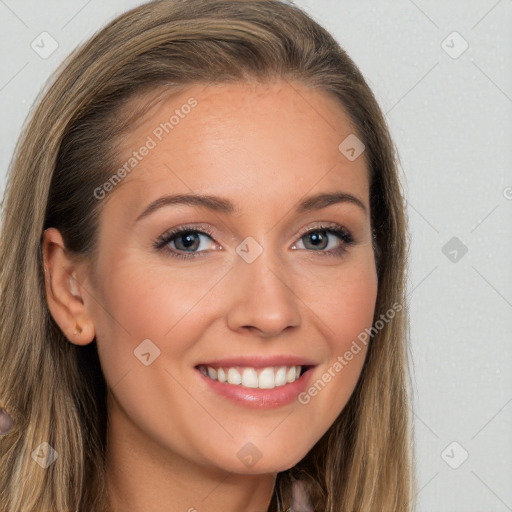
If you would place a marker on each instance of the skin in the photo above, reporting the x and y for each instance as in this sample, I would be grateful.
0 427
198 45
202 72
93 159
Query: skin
173 443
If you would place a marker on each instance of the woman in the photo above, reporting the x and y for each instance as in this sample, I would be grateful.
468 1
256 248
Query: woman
203 258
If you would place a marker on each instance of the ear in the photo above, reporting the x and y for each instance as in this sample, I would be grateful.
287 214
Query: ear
64 290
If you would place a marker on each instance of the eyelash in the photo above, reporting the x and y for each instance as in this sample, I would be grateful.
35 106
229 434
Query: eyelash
169 236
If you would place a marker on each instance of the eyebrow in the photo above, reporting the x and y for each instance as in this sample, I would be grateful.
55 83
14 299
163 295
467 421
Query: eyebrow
221 205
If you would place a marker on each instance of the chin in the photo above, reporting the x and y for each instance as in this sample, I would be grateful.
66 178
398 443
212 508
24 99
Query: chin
252 461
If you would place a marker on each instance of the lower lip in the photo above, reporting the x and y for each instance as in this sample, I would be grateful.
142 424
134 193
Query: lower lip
259 398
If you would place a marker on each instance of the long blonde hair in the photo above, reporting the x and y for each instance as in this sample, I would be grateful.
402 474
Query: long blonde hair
54 389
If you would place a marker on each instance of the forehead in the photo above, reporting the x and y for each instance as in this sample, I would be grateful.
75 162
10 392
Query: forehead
255 142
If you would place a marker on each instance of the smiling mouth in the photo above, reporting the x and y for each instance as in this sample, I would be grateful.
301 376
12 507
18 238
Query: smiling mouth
268 377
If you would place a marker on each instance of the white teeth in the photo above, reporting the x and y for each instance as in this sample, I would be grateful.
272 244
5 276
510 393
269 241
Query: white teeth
250 378
281 376
292 373
234 376
268 378
221 376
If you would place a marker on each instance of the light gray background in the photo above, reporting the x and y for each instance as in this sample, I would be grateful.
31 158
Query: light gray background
451 119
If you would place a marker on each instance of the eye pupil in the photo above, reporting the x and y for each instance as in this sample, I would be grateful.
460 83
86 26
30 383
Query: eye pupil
189 241
317 238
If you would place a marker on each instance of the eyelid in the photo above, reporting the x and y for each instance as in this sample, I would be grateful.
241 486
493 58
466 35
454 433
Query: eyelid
329 226
324 225
163 239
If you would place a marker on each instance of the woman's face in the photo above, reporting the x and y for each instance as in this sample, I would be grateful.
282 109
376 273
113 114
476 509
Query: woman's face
243 289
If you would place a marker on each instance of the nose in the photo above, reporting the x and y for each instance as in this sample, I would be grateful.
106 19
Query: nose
262 299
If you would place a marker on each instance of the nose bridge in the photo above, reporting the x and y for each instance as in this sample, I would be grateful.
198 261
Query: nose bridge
263 295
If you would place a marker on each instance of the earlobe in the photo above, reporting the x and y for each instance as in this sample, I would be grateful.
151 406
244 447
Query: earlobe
64 290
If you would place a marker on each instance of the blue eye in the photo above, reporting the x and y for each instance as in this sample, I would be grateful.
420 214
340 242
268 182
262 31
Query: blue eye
190 242
320 238
185 239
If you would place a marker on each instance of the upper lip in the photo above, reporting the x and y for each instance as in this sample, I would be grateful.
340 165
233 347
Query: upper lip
259 361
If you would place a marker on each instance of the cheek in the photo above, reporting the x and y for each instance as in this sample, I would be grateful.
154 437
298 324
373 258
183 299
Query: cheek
344 302
144 302
345 306
349 307
171 309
